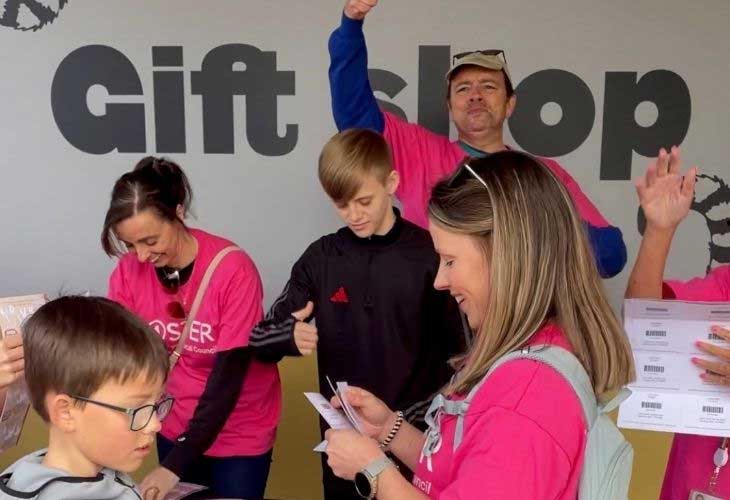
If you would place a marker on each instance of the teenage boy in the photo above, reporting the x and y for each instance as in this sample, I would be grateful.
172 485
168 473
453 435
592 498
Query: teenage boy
96 375
381 324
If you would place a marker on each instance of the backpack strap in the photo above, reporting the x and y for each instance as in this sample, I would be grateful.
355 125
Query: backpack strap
568 366
614 403
444 406
461 409
440 405
561 360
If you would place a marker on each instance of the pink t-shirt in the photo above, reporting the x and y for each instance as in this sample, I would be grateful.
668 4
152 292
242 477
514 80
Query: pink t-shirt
423 158
690 463
524 437
230 309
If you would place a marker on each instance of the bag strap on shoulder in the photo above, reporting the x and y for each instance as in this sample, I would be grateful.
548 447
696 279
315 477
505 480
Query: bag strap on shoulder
175 356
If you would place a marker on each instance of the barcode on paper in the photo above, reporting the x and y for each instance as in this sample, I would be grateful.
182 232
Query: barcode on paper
713 409
651 405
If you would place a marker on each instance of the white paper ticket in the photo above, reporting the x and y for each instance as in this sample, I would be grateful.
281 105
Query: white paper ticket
668 394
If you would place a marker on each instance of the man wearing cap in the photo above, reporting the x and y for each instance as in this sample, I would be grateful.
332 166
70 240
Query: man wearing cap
480 99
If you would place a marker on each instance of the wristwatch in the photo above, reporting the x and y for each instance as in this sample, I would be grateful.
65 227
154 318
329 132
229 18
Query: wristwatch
366 481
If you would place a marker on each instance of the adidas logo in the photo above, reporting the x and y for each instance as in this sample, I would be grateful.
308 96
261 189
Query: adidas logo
340 296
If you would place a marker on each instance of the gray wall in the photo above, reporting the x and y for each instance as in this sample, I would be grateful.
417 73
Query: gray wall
54 192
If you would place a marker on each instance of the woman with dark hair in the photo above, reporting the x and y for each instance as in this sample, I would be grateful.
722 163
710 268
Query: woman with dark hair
203 296
515 256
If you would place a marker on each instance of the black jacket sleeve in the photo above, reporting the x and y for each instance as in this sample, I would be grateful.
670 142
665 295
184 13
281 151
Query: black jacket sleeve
449 334
214 407
455 326
273 338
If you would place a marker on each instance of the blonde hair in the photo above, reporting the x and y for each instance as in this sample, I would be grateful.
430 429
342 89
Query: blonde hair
348 158
541 267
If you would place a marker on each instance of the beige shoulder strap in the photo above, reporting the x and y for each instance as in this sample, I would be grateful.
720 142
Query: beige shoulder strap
196 303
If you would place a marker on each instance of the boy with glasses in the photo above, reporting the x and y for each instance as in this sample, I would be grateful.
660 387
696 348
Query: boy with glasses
480 97
95 374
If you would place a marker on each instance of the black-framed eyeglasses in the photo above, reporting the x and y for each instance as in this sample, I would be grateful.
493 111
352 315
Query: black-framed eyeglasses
141 416
485 52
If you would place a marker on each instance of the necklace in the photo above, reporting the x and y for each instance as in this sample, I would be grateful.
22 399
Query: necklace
172 278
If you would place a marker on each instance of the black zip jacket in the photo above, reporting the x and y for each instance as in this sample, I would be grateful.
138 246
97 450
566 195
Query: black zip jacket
381 324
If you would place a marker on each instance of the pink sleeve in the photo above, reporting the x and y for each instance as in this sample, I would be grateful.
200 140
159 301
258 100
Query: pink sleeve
588 212
119 291
715 287
420 156
507 455
240 302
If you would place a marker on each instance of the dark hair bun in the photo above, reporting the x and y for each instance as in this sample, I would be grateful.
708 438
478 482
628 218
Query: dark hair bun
167 178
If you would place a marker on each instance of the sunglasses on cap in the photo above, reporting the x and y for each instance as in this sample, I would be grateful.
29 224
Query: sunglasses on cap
487 52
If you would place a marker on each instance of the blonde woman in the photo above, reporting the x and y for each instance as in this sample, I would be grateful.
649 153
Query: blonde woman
514 254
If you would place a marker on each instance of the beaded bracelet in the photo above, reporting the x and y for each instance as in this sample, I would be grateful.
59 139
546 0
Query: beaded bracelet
396 426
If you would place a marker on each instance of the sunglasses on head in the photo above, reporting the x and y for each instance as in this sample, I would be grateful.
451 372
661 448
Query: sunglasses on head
486 52
465 167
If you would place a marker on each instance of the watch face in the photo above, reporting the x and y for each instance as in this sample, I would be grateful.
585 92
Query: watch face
362 485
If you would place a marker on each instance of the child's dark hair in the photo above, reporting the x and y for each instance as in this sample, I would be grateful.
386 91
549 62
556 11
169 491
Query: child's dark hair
155 184
74 344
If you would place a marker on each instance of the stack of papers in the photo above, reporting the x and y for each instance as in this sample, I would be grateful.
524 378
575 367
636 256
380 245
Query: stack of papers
668 394
13 311
344 418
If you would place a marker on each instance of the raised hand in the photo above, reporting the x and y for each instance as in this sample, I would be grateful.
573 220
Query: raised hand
664 192
358 9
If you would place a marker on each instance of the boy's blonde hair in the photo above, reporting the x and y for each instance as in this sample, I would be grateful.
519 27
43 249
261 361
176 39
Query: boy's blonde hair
348 158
